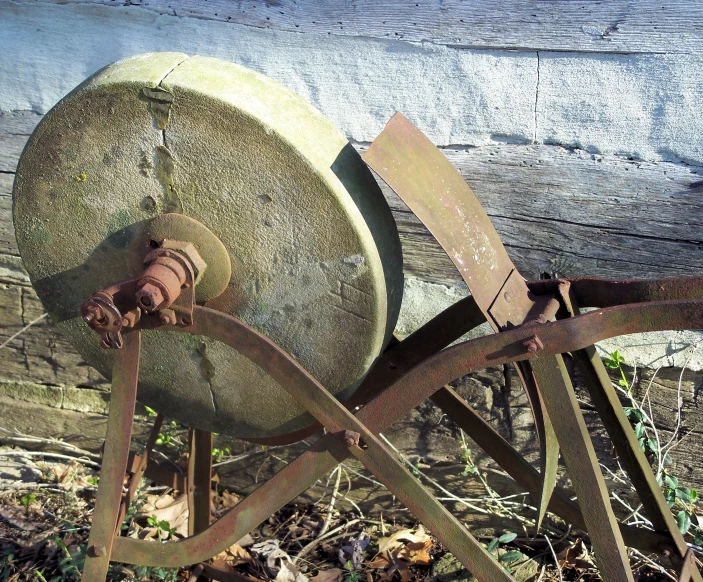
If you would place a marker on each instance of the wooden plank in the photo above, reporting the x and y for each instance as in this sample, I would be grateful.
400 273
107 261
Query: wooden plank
15 129
561 25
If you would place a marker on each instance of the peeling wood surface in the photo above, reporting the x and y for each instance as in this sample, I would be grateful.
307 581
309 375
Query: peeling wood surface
617 26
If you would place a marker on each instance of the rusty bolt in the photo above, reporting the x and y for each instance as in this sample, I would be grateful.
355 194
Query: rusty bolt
508 298
93 313
533 344
666 549
351 438
99 551
129 319
167 317
150 297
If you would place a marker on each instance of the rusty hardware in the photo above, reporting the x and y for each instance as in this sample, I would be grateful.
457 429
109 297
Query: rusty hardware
535 323
164 290
350 438
533 344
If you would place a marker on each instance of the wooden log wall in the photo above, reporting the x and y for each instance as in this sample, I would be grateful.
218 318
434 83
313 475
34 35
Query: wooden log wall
578 124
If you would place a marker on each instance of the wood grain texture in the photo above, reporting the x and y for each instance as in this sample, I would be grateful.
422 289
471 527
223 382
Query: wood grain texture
618 26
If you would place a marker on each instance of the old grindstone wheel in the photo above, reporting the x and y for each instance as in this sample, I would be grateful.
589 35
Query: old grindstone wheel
243 274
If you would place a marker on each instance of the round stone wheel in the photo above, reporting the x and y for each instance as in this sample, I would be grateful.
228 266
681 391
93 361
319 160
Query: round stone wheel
315 257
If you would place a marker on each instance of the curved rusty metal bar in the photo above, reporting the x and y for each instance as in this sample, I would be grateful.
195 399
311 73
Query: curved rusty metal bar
436 334
403 395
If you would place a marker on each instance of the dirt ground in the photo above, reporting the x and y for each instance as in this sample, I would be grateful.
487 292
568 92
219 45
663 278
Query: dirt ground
47 496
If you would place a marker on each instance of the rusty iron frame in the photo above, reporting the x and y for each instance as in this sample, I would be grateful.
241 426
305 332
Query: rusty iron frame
534 324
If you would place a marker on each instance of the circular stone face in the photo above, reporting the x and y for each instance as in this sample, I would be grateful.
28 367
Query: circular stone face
314 251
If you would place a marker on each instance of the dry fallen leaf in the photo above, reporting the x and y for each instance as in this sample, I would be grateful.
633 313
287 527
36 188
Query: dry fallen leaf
166 508
576 556
17 517
401 550
235 555
332 575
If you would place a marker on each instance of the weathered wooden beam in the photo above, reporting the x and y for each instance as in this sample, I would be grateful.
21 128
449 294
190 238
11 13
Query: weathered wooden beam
562 25
639 105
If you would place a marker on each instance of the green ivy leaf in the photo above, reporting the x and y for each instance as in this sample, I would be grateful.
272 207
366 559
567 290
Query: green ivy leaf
671 482
493 545
683 493
639 430
684 521
670 496
653 445
506 538
511 556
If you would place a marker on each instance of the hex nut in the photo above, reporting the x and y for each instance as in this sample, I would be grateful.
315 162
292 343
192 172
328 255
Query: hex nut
150 297
167 317
191 253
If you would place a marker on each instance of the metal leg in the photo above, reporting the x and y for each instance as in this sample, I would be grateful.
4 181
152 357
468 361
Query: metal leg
199 480
119 432
584 470
138 470
610 410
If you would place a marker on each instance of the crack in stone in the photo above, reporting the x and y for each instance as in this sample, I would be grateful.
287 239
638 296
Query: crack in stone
160 101
534 121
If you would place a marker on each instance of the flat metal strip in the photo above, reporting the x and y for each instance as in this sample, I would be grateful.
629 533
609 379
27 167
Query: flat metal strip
199 480
438 195
584 470
123 396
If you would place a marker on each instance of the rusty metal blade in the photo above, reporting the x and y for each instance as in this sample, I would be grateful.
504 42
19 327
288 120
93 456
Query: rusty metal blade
584 470
438 195
428 183
547 438
123 396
